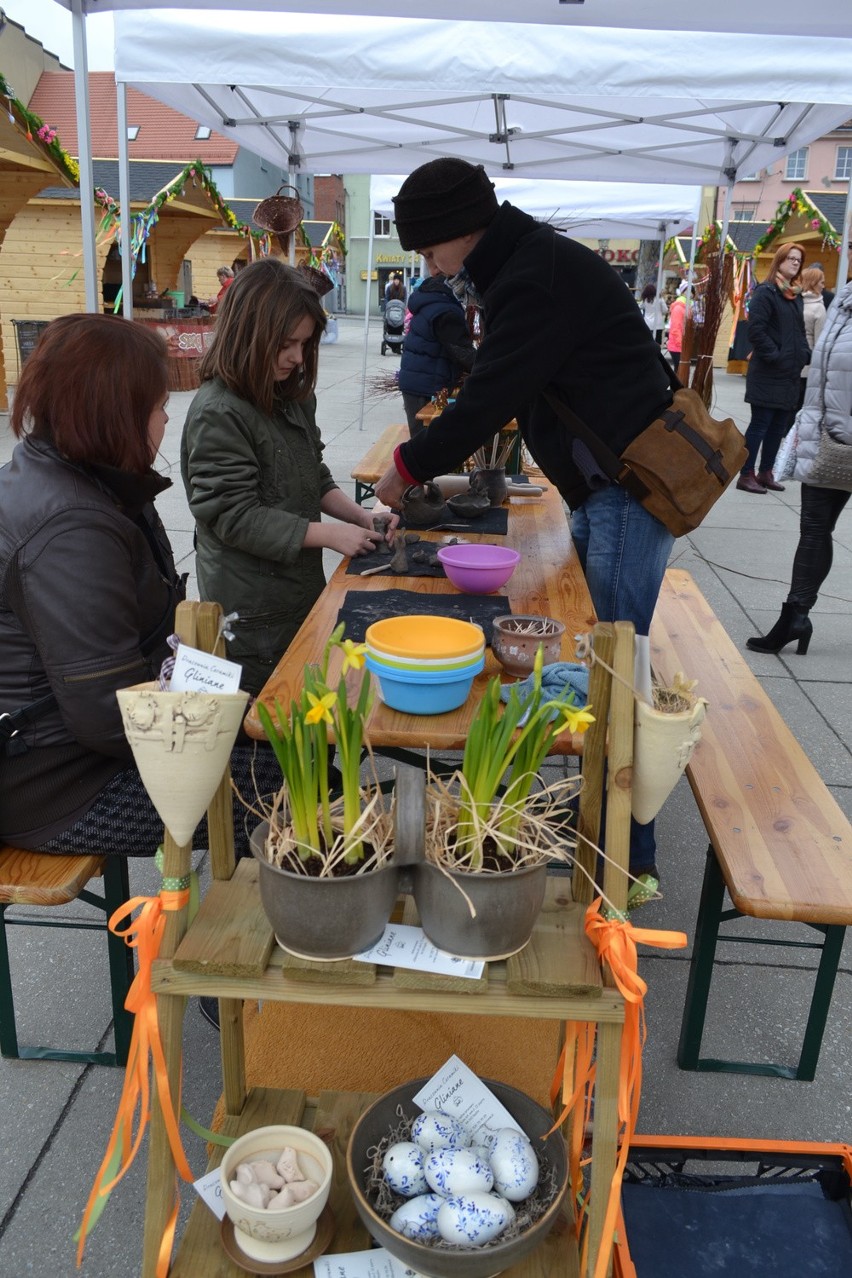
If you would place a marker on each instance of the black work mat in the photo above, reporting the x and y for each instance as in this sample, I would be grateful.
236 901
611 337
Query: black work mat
494 523
379 558
362 607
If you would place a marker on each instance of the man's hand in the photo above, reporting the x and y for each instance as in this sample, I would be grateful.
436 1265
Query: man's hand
390 488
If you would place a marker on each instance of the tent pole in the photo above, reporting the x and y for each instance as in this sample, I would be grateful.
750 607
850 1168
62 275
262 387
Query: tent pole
662 230
690 270
846 233
124 201
726 217
84 148
367 316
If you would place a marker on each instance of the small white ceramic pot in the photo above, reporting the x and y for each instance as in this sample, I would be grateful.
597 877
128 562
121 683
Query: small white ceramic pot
277 1235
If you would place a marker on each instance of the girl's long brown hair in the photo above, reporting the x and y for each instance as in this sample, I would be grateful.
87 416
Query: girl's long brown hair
90 387
265 304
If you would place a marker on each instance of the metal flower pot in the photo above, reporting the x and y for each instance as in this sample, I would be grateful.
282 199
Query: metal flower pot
507 906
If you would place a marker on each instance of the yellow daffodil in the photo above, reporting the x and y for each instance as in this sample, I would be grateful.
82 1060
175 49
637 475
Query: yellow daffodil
353 655
576 720
320 708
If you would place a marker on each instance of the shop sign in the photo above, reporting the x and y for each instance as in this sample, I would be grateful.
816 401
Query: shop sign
619 257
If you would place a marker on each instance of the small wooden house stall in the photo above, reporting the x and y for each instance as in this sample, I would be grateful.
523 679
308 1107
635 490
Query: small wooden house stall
31 156
813 219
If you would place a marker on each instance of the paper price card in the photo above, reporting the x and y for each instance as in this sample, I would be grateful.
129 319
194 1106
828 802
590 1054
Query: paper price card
209 1188
456 1090
377 1263
404 946
197 671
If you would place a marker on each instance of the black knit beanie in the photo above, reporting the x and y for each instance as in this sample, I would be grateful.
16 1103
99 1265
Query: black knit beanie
442 200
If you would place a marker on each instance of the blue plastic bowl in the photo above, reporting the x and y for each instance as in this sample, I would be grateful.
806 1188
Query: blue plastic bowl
426 693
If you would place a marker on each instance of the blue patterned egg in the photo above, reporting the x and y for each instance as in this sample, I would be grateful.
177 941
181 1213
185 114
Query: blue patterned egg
514 1164
417 1219
474 1220
403 1169
457 1172
432 1130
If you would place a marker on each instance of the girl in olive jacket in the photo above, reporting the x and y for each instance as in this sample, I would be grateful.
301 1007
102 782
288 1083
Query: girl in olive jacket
251 460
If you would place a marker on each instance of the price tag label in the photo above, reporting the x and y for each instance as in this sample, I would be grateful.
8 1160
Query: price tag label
209 1188
457 1091
202 672
403 946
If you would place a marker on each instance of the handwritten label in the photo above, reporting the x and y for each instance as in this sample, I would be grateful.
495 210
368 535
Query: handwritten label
209 1188
202 672
404 946
456 1090
377 1263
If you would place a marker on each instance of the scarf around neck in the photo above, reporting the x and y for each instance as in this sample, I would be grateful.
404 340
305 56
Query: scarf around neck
465 289
790 291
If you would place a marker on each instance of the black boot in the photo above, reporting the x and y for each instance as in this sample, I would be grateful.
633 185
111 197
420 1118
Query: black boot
794 623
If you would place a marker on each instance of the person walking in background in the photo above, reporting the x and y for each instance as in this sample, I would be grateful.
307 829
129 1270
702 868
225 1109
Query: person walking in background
677 323
251 461
654 311
225 276
813 287
438 347
776 330
395 289
826 415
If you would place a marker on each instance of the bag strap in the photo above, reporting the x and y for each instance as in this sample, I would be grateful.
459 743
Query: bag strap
11 724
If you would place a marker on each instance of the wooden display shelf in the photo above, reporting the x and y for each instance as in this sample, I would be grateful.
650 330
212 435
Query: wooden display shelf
332 1115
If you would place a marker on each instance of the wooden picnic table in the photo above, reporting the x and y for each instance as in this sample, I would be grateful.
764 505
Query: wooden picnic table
548 581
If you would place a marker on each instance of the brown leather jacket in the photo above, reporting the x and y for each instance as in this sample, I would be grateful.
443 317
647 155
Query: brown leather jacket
88 590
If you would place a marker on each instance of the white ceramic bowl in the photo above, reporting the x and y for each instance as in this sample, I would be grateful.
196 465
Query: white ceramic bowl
279 1235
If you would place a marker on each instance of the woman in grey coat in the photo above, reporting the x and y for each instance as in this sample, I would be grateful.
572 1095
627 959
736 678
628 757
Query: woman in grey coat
827 411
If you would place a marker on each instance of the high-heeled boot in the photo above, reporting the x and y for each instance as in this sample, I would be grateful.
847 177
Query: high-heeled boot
794 623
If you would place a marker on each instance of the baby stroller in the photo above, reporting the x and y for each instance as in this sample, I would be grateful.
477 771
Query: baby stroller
394 325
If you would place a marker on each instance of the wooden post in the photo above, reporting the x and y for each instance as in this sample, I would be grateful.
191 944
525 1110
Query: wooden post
594 762
620 773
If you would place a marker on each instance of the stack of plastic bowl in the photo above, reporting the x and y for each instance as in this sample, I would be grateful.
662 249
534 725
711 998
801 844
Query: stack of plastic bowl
424 664
478 568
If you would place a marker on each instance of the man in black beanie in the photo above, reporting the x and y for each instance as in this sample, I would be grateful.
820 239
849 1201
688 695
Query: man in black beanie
557 320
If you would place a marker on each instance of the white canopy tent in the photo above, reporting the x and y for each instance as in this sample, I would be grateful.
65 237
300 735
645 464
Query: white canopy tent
769 17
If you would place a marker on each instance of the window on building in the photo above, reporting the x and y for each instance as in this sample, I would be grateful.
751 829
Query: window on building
746 213
843 167
132 132
381 224
202 133
796 169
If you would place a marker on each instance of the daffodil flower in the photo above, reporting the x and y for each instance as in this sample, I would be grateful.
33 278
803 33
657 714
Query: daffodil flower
576 720
320 708
353 654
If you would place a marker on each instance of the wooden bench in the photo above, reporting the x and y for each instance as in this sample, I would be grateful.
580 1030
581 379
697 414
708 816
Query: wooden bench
40 879
779 843
375 462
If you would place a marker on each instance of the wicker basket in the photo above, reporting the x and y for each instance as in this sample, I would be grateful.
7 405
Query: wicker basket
317 279
280 213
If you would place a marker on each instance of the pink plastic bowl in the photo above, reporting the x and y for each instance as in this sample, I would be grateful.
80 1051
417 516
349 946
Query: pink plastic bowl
478 569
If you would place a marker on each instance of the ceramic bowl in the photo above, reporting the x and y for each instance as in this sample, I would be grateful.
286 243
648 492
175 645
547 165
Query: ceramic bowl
478 569
424 635
515 641
425 692
457 1262
277 1236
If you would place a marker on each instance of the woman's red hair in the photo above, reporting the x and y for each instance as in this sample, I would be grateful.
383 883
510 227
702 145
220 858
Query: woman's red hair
781 256
90 387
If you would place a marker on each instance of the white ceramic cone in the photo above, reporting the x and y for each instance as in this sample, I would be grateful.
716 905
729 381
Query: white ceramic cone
662 746
181 742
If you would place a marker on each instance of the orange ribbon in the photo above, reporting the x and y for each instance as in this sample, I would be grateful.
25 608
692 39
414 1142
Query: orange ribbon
144 934
615 940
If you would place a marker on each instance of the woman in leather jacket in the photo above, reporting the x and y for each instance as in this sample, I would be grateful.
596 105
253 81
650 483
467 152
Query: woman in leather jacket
88 586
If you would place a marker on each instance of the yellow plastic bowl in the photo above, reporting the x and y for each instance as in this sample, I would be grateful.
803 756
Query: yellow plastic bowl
424 635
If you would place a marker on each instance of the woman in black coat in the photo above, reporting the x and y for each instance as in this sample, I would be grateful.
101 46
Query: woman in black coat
780 351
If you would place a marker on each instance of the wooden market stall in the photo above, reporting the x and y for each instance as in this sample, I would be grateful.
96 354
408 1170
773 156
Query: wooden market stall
31 157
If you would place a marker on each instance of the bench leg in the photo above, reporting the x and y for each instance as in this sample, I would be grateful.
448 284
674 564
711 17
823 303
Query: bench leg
121 966
821 1001
8 1031
363 492
701 964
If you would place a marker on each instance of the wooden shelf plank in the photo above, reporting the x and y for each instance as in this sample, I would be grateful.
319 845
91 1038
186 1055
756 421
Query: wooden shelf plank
230 935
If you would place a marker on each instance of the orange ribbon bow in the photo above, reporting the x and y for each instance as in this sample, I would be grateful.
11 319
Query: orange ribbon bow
144 934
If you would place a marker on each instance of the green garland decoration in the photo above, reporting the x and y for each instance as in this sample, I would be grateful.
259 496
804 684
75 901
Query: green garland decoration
798 202
35 130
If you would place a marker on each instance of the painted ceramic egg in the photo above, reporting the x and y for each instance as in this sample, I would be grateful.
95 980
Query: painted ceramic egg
438 1131
455 1173
417 1219
514 1164
474 1220
403 1169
